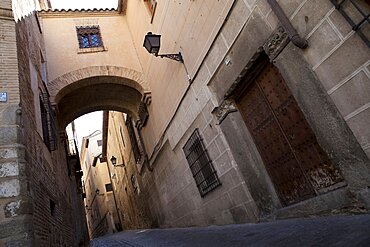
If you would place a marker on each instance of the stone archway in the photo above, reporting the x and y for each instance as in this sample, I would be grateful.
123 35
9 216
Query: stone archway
135 78
97 88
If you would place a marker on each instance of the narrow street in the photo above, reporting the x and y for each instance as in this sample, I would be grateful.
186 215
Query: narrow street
326 231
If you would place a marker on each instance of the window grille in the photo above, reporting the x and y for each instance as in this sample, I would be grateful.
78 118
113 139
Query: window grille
108 187
357 14
136 149
89 37
48 122
200 164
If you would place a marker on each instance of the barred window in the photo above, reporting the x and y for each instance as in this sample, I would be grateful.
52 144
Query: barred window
135 145
357 14
89 37
200 164
48 122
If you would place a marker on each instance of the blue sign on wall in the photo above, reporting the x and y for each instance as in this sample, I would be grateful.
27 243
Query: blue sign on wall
3 97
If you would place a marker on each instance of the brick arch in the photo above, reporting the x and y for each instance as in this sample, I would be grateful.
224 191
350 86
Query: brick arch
134 78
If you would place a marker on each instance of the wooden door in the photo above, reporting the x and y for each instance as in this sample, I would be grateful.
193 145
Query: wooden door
297 165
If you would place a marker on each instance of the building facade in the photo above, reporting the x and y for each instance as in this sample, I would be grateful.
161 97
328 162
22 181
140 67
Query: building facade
266 116
100 207
40 204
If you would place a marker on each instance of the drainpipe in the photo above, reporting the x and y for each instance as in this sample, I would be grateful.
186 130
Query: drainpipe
287 25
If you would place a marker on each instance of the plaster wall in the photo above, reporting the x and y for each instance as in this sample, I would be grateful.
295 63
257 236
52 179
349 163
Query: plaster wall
61 42
99 207
186 26
132 196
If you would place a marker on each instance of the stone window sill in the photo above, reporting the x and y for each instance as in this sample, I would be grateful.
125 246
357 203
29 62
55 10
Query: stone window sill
91 50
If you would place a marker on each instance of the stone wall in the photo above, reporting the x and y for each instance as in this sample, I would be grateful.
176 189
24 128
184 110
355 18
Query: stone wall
37 196
131 194
15 221
48 182
247 193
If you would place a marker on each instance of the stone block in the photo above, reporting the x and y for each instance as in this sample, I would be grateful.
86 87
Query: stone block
9 169
253 36
223 163
340 23
359 124
9 188
240 195
216 54
8 115
323 40
16 207
290 6
240 214
339 64
20 225
235 21
8 135
367 152
272 20
353 94
311 13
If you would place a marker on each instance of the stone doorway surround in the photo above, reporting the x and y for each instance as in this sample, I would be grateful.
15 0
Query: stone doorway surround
333 135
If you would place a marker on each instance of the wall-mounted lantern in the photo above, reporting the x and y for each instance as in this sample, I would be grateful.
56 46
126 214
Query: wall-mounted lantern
113 160
97 192
152 43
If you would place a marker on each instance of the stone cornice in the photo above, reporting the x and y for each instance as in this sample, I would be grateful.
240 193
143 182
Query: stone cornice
6 14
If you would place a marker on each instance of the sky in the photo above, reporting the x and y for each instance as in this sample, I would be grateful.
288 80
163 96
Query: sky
85 125
87 4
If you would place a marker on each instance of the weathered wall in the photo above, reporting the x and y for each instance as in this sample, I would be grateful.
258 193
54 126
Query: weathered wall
31 177
15 221
48 182
100 208
323 26
61 42
186 26
246 29
133 204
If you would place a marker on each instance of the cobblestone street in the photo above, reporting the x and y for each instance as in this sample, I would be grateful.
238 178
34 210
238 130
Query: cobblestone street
328 231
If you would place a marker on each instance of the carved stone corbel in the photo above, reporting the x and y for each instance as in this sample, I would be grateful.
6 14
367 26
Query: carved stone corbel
227 106
276 43
147 98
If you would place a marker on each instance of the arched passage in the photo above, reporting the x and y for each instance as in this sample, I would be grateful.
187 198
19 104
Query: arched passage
97 88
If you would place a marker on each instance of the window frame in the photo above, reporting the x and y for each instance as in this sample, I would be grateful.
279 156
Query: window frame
89 31
201 166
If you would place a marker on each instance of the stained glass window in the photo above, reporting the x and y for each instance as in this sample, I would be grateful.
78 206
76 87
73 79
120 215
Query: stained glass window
89 37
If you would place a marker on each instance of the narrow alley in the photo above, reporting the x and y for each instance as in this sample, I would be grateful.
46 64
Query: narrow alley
339 231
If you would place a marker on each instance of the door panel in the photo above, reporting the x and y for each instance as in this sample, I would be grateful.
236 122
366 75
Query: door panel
297 165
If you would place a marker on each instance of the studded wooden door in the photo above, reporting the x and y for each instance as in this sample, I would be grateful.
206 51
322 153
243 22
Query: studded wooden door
297 165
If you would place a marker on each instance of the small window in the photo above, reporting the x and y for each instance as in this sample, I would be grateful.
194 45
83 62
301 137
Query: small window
89 37
200 164
357 14
122 136
100 143
108 187
48 122
52 207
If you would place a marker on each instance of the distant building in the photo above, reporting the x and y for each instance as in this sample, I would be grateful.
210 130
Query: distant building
100 206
